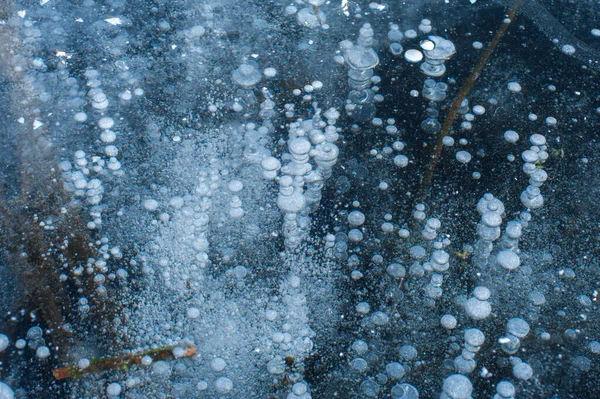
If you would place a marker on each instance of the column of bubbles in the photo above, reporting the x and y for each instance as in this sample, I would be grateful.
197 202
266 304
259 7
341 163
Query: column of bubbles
270 167
491 210
75 174
94 165
339 250
465 362
431 124
463 111
534 159
267 107
478 306
361 352
328 246
439 261
535 301
190 214
235 205
434 91
326 151
361 59
400 160
437 51
99 100
310 138
247 76
85 190
254 139
314 185
416 252
100 103
351 240
108 137
510 238
95 268
507 255
300 183
199 207
291 199
395 37
297 335
425 26
355 219
99 267
449 323
516 329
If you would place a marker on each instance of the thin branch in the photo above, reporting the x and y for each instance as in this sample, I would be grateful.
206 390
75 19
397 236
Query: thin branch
462 94
118 363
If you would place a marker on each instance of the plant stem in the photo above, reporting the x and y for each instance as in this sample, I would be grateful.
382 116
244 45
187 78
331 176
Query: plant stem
118 363
462 94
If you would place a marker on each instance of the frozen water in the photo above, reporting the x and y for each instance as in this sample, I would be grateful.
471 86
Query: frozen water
299 200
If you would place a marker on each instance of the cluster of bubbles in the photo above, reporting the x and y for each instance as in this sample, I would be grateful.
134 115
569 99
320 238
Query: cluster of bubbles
250 181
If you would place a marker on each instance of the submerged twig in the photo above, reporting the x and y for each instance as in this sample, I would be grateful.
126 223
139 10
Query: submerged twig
462 94
118 363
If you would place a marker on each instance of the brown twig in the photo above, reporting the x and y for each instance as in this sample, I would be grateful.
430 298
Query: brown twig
462 94
118 363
